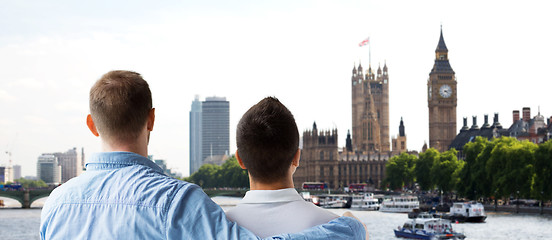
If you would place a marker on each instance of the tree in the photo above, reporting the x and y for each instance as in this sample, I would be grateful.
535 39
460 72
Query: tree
206 176
233 175
542 179
445 170
474 179
400 170
423 167
26 183
511 167
230 174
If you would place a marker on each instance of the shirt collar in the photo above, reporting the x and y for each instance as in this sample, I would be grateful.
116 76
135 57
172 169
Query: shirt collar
271 196
113 160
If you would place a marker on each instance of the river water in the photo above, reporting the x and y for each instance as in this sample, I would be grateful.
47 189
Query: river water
24 223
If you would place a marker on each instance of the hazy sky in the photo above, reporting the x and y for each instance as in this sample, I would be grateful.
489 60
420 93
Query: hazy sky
303 52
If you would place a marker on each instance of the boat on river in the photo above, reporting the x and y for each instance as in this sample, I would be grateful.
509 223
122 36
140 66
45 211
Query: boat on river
400 204
425 226
466 212
334 201
365 201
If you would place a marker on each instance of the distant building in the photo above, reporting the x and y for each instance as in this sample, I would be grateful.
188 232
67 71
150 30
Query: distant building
442 99
365 154
399 143
195 136
215 127
536 130
370 109
6 174
322 161
216 159
16 172
48 169
2 174
70 162
34 178
163 165
468 134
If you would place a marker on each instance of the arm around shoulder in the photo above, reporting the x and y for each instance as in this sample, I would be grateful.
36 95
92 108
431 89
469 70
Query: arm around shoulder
339 228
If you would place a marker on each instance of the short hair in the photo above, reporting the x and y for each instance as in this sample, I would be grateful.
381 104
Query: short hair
120 102
267 140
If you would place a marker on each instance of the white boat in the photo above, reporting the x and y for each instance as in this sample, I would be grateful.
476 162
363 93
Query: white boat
365 201
427 227
399 204
467 212
334 201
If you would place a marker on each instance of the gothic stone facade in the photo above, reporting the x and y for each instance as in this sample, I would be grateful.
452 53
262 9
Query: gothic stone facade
322 161
442 100
370 108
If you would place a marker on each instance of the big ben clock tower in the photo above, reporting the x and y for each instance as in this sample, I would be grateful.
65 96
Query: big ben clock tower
441 99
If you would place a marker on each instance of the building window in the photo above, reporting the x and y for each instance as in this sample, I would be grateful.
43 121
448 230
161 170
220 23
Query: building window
331 155
321 171
322 155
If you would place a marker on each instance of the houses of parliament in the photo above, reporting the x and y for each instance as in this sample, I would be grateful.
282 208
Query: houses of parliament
366 152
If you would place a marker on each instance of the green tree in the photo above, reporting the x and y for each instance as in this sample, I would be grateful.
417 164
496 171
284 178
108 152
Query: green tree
26 183
233 175
400 170
474 179
511 167
423 168
445 170
230 174
207 176
542 179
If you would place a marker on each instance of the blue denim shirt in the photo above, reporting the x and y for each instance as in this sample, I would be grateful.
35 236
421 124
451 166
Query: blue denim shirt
123 195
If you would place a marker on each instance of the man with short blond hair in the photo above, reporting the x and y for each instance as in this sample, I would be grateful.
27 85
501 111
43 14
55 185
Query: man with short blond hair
124 195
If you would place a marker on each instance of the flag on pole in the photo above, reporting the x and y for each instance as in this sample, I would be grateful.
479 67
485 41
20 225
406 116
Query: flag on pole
364 42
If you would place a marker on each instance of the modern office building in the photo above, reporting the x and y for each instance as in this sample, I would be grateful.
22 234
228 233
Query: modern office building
48 169
16 172
209 131
215 127
195 136
71 163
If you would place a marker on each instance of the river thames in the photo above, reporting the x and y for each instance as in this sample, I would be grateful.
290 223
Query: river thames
19 224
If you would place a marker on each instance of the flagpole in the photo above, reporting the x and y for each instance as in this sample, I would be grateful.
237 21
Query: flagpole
370 54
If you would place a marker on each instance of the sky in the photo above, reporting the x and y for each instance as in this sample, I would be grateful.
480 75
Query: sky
302 52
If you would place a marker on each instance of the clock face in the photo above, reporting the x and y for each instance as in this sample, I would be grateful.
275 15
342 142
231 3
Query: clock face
445 91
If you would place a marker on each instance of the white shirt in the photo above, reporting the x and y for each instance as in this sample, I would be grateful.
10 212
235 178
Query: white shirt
270 212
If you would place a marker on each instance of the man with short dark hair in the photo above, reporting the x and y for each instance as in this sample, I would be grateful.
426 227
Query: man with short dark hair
268 147
124 195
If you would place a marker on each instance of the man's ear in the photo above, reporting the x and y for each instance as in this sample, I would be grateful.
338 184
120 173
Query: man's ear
91 125
240 162
151 119
296 158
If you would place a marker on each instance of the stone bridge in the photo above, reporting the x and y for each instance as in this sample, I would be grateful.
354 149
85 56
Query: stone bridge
26 197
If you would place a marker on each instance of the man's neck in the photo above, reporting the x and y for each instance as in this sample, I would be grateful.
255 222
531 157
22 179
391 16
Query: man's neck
277 185
111 147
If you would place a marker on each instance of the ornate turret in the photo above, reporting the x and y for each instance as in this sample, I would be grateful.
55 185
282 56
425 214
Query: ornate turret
349 142
401 129
442 64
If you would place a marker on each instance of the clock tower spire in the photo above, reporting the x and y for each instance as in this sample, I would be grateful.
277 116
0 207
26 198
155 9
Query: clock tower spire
442 99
